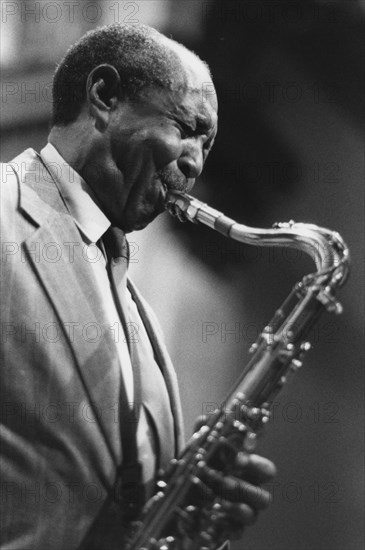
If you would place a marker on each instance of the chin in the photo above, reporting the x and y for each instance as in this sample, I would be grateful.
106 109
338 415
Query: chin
139 226
139 222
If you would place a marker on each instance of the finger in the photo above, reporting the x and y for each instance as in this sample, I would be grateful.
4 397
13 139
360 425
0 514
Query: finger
199 422
233 489
234 518
254 468
241 514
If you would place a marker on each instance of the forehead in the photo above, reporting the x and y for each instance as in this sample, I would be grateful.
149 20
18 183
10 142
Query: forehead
195 100
193 95
197 79
198 105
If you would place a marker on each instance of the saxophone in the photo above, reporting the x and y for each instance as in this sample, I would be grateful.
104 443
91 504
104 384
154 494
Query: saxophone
170 520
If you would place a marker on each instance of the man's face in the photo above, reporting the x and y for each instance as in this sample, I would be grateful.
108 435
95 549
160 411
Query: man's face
157 143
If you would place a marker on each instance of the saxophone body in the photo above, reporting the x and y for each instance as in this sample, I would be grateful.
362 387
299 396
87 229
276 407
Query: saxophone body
170 520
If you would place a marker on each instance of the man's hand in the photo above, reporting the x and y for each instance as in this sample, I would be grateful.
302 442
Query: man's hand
241 495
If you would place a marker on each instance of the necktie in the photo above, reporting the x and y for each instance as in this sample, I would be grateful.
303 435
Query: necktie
117 250
129 489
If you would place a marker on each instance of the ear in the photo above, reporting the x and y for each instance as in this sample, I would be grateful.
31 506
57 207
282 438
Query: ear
103 91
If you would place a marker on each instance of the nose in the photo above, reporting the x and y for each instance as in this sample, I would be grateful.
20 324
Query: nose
190 162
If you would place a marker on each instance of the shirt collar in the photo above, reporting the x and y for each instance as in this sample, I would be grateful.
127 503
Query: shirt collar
77 194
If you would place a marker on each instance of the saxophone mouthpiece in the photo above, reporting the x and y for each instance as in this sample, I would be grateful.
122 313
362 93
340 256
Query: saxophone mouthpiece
177 204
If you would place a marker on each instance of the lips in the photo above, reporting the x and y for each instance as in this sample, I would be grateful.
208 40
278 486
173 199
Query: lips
168 180
171 180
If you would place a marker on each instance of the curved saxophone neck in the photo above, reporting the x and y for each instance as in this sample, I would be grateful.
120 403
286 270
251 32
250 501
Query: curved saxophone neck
326 247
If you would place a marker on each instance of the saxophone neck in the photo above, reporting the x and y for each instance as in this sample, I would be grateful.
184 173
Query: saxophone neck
327 248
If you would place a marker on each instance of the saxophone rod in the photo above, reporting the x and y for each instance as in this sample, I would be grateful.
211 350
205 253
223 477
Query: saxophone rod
326 247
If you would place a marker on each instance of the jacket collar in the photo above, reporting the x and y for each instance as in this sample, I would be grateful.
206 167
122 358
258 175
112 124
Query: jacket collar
69 283
77 195
39 197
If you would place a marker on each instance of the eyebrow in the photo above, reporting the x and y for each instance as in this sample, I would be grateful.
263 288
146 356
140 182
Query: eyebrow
204 125
202 122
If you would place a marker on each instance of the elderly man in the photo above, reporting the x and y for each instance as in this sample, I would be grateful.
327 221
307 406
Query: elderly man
90 402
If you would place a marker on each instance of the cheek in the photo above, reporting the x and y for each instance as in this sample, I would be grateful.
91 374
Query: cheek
165 147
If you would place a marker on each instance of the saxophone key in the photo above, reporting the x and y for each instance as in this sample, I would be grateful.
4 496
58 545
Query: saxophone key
296 364
265 415
168 543
287 351
161 484
304 348
254 347
250 442
254 413
214 436
268 336
250 413
239 426
281 382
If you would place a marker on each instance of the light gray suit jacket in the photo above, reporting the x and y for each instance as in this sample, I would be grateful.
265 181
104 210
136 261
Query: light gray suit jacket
60 436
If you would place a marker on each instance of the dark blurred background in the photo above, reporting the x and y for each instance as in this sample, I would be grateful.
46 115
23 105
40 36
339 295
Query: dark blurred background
289 77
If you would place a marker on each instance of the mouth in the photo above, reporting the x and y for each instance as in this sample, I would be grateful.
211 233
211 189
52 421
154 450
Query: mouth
170 183
167 193
182 188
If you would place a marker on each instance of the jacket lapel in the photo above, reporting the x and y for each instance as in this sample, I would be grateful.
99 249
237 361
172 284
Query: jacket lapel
152 327
57 254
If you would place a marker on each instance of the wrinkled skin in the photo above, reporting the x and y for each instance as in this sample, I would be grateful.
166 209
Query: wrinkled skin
129 152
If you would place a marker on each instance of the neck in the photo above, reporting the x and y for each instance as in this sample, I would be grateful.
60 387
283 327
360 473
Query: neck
73 142
81 147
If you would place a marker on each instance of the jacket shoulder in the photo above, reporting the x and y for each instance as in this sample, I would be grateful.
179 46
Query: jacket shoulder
11 172
28 188
27 156
21 204
9 186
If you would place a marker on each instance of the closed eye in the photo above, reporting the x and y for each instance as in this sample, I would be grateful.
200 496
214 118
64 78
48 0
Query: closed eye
186 130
